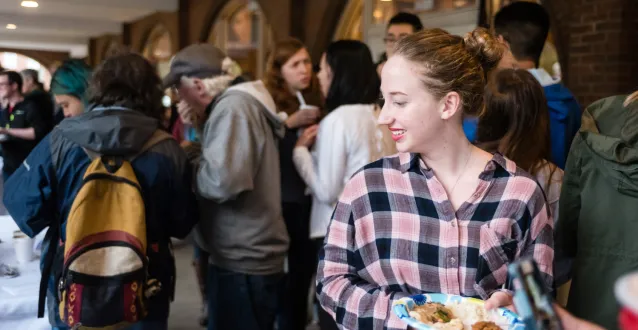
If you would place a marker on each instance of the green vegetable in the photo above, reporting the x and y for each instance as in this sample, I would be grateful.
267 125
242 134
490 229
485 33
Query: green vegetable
443 316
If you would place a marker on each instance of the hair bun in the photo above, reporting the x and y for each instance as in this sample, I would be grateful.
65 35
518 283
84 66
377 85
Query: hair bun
484 47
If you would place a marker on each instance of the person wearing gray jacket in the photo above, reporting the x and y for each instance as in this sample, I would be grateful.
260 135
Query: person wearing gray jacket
238 179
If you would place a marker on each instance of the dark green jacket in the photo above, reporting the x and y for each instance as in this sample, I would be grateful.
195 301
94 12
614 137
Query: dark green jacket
598 211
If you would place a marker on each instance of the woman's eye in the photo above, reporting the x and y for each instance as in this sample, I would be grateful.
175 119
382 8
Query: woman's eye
398 104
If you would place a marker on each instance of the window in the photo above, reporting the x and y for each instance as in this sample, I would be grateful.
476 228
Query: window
242 32
159 49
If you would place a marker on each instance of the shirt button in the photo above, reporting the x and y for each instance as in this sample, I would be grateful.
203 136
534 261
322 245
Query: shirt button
452 261
453 223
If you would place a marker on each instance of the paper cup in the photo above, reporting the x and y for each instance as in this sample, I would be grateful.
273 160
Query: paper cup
23 246
626 290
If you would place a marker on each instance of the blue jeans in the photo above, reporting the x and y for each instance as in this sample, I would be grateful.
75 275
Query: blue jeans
240 301
144 325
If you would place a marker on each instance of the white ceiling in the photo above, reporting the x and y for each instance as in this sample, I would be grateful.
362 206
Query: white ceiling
67 25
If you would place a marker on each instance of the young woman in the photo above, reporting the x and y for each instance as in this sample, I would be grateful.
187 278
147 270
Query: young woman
598 207
442 215
68 86
516 124
289 71
347 138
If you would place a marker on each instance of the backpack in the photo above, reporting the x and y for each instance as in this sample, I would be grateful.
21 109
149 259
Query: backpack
104 281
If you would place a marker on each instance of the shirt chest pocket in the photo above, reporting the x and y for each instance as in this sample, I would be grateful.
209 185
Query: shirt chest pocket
497 250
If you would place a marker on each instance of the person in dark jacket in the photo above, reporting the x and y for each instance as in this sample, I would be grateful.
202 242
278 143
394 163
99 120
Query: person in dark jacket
598 208
524 27
34 90
22 123
127 96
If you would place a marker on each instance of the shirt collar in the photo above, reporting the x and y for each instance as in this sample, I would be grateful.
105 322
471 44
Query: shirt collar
411 161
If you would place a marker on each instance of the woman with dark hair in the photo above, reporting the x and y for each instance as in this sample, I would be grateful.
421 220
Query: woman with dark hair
289 75
515 123
126 95
347 138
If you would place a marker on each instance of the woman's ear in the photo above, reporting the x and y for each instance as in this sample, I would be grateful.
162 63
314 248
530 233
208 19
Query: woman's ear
450 104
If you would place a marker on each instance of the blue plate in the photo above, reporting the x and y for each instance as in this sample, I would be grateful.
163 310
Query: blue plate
402 308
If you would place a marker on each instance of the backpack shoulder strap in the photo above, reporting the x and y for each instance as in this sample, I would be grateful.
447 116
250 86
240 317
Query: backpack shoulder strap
157 137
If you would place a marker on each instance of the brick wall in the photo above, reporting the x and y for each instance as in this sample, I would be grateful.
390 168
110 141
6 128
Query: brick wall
597 40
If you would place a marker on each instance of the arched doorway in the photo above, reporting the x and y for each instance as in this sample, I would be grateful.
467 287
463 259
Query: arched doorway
18 62
351 22
158 49
241 30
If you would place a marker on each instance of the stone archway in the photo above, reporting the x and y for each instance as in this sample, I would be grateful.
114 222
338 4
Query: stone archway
27 60
350 24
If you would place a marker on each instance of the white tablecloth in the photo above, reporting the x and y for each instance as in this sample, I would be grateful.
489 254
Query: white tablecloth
19 295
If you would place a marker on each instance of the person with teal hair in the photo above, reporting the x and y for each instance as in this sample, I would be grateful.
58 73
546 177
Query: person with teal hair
69 84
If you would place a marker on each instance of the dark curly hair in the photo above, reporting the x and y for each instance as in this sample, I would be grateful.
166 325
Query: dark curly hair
129 81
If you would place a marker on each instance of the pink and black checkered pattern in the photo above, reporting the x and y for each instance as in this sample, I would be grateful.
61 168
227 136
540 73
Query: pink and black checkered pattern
394 234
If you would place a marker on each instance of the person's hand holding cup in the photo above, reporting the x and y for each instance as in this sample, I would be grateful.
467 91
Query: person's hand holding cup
305 116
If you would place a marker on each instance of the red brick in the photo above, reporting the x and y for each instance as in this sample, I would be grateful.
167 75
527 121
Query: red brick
615 38
582 49
608 26
582 28
589 17
585 69
594 38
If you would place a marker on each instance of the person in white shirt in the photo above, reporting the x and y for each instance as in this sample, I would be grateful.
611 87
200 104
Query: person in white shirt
347 139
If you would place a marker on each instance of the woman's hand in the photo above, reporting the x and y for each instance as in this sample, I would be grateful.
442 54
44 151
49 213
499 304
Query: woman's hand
307 138
500 299
303 117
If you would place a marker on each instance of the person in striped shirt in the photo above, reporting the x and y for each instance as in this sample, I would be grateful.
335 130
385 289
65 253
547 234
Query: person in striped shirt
442 215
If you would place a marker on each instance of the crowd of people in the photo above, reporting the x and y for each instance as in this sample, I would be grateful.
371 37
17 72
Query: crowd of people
473 158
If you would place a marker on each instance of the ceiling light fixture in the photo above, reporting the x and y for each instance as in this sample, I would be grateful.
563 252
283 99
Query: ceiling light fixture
30 4
11 27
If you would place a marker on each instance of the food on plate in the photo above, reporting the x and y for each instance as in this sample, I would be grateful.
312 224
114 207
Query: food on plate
436 315
485 326
458 316
433 313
